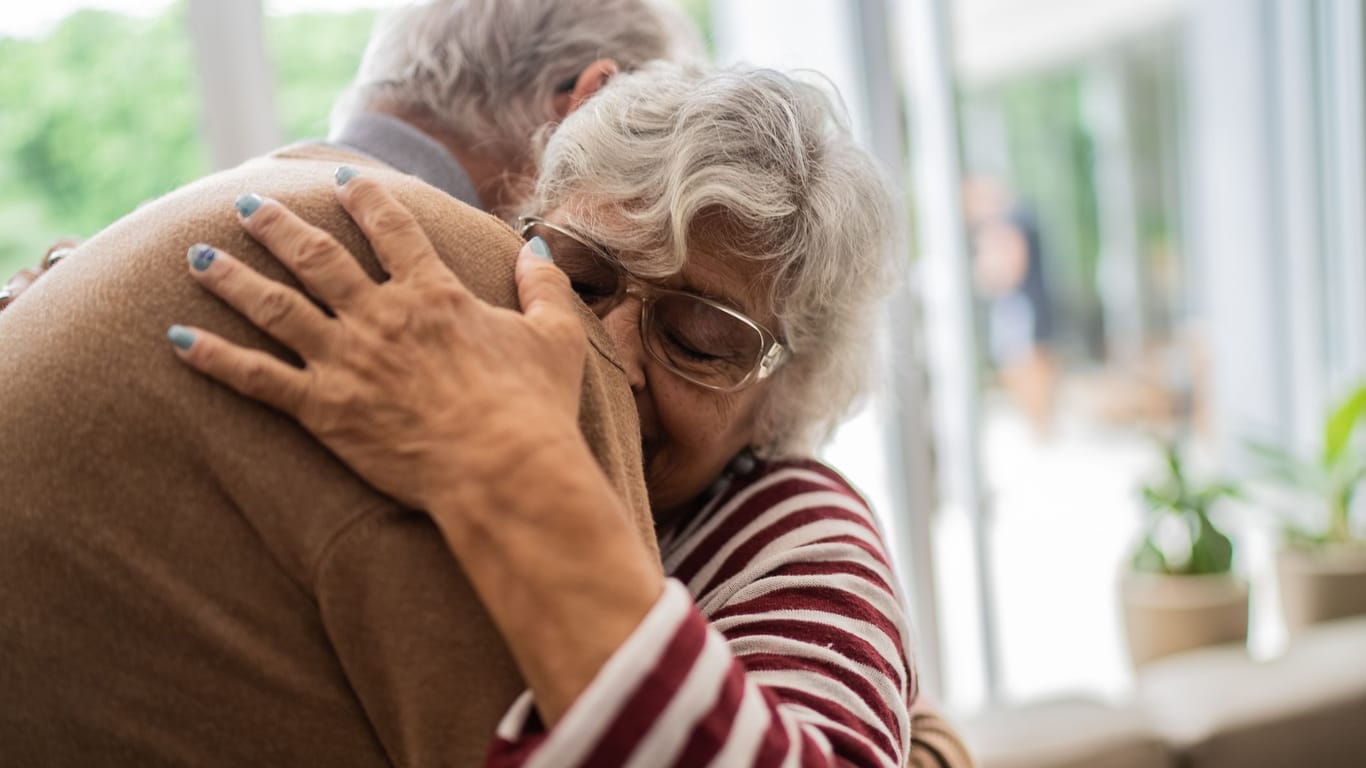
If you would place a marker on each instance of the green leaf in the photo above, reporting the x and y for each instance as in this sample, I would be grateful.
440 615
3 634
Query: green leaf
1342 422
1285 467
1211 552
1207 496
1148 558
1159 498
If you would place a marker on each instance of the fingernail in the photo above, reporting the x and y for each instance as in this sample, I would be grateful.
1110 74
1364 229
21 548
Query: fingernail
201 256
180 336
247 205
540 248
58 255
6 293
344 174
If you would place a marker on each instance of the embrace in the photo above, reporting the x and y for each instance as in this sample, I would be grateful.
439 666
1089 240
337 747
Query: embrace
479 433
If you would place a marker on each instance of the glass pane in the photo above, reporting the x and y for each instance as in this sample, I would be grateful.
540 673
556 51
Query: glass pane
1088 346
315 48
98 113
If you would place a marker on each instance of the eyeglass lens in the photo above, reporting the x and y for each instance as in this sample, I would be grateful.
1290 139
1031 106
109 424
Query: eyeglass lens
697 339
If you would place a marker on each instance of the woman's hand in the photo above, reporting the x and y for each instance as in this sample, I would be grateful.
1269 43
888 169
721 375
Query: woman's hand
415 383
453 406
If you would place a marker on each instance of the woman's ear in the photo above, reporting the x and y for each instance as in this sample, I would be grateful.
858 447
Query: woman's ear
589 81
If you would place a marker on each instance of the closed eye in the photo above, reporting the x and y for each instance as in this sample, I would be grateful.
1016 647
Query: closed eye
688 350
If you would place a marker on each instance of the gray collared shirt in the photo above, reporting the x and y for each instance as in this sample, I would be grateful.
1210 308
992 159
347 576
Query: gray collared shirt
405 148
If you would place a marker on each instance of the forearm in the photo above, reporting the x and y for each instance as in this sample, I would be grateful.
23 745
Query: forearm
800 657
550 550
682 693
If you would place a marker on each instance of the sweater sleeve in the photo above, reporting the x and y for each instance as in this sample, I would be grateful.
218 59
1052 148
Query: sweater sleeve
798 660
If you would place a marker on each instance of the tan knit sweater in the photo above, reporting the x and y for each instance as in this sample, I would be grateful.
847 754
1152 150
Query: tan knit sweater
186 577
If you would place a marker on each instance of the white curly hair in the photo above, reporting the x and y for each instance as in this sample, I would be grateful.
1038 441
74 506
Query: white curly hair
750 164
488 70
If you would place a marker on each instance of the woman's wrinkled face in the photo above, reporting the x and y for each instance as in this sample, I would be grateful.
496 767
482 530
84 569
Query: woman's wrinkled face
689 433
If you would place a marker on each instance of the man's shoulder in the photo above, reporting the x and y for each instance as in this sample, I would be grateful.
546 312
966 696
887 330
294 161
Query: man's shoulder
303 176
479 247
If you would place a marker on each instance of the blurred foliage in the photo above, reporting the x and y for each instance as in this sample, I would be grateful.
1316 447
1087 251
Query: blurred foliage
1330 479
700 11
315 56
96 118
1179 537
103 114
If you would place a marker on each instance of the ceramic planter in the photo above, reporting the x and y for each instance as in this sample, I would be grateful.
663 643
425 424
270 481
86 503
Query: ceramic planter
1321 584
1165 614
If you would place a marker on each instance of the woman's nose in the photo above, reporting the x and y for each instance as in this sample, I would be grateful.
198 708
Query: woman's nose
623 327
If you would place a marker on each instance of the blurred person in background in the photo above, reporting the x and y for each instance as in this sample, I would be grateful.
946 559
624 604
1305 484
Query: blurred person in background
1008 270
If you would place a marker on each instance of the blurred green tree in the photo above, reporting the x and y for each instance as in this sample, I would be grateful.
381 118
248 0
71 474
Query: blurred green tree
94 119
104 114
315 55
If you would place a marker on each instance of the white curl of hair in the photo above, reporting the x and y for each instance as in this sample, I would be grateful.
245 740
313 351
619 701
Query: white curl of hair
488 70
750 164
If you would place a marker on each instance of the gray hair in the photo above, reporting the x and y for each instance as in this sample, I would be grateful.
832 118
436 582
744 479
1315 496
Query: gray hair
488 70
749 164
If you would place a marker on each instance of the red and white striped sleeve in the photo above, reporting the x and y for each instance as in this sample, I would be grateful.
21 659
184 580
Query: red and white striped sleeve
779 640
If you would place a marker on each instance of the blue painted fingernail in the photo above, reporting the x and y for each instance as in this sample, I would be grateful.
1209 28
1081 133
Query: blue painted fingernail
201 256
180 336
540 248
247 205
344 174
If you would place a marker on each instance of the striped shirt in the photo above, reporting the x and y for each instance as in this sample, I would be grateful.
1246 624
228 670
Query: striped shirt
780 640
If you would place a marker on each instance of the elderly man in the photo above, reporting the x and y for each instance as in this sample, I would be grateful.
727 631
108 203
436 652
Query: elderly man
188 579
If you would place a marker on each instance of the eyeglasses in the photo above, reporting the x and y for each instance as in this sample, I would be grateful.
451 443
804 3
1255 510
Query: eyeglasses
704 341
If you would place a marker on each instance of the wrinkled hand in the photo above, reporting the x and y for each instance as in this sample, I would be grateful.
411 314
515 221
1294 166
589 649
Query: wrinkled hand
415 383
26 277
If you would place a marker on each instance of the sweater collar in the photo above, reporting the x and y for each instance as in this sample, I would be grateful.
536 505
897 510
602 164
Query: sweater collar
404 148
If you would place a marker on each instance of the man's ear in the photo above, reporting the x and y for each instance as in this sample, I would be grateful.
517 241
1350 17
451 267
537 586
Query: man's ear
590 80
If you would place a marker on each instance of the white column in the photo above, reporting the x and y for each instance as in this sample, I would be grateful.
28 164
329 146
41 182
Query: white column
945 289
903 409
1231 223
791 35
236 83
1300 243
1346 182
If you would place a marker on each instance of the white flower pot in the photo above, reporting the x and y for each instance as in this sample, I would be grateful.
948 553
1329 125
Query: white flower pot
1321 584
1164 614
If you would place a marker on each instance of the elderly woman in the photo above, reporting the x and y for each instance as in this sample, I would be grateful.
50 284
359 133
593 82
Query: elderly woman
731 238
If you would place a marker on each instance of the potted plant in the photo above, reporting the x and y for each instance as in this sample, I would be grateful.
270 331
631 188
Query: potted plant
1321 566
1180 591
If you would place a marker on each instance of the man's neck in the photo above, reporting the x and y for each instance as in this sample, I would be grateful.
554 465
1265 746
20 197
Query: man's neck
499 188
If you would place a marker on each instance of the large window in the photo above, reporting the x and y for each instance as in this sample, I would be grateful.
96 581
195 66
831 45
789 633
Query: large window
314 54
98 112
1088 350
1188 182
101 110
100 107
